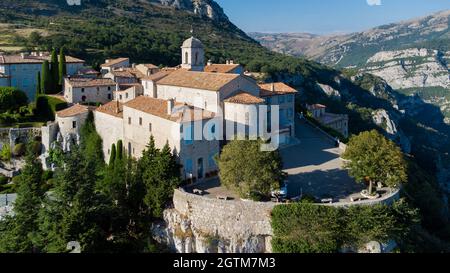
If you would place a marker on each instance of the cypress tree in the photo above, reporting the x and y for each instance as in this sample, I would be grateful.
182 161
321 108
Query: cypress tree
45 78
23 227
38 86
113 155
119 150
62 67
54 72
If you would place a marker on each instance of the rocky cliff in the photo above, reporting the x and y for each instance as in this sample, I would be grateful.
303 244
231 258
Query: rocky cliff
198 224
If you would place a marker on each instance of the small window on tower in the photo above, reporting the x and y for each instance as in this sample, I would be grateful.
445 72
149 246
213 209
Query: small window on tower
140 121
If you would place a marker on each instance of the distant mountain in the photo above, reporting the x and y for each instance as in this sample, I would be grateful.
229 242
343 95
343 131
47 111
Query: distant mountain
355 49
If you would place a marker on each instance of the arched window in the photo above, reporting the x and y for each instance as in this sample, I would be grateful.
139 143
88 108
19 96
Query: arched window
186 58
83 98
196 58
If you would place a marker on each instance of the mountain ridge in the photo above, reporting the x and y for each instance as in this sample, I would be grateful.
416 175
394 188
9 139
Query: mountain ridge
355 48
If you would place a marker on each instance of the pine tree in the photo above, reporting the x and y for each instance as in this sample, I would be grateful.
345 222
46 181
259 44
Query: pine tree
23 227
54 71
77 212
62 69
45 78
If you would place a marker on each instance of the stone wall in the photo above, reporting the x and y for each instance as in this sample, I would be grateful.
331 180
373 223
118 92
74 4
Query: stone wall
205 225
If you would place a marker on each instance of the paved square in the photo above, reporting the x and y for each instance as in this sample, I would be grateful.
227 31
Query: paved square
315 167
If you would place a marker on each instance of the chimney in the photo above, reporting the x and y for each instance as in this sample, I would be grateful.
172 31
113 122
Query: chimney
22 55
209 63
170 105
117 106
272 87
133 65
231 61
41 54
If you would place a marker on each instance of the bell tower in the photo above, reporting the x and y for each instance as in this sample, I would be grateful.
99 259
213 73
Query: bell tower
193 55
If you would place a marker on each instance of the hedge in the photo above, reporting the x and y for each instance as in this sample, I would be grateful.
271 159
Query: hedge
47 106
11 99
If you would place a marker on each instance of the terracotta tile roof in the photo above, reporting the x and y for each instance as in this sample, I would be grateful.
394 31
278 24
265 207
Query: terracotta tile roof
157 76
87 82
28 59
198 80
244 98
75 110
276 89
221 68
112 62
125 86
123 74
112 108
158 107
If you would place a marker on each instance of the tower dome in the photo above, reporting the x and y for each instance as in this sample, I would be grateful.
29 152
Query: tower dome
192 43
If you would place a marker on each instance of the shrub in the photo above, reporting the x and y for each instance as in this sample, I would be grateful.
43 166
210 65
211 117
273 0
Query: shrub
20 149
36 147
5 153
11 99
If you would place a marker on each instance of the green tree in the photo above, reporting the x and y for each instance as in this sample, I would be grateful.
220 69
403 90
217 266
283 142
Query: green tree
46 82
247 170
76 211
160 173
112 156
23 226
120 149
54 71
38 86
11 99
374 159
91 143
62 69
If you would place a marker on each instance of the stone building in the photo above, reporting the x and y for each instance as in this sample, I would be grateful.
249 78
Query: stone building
175 104
337 122
112 64
21 70
88 90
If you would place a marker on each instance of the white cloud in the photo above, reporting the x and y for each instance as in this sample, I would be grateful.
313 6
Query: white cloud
374 2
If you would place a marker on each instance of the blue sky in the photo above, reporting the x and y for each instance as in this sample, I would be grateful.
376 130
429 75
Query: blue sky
324 16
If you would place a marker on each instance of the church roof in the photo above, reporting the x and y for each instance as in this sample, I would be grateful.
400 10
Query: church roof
221 68
198 80
158 76
158 107
112 62
193 43
244 98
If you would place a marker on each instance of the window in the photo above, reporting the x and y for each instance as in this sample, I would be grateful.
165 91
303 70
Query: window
120 97
200 168
196 58
129 120
126 95
247 118
74 124
109 88
140 121
150 127
109 96
83 98
82 90
186 58
281 99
